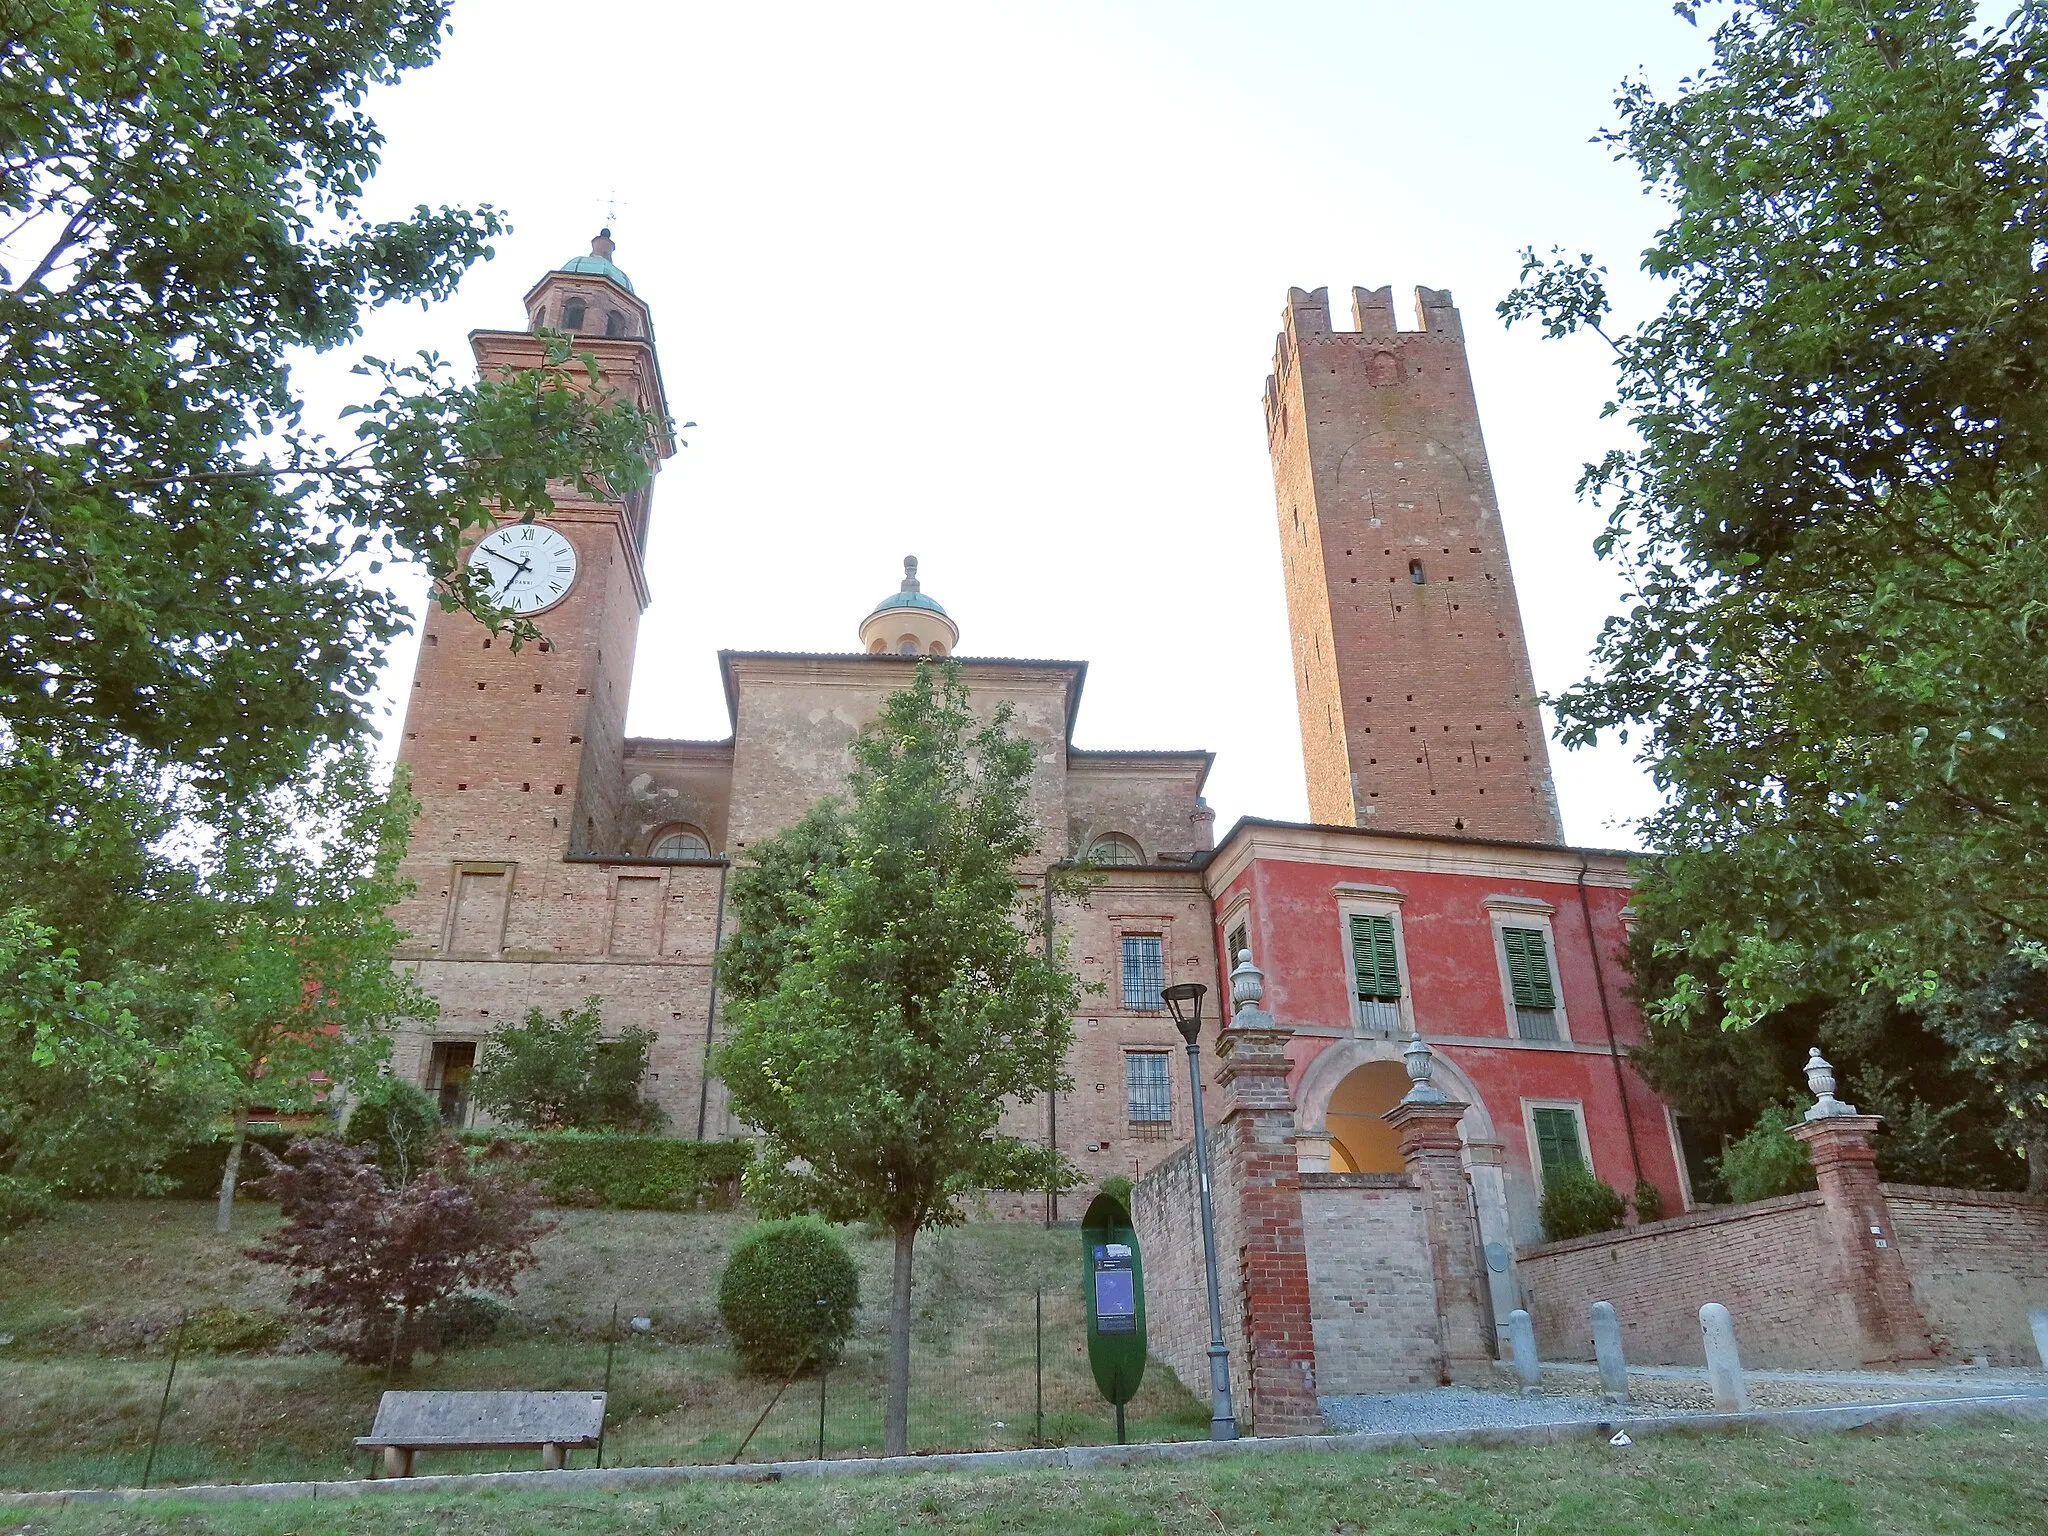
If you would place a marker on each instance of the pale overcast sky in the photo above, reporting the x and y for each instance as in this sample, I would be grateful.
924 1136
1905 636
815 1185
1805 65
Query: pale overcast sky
998 286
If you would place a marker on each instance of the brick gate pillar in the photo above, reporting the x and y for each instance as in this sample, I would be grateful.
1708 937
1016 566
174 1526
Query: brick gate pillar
1258 1211
1427 1122
1863 1260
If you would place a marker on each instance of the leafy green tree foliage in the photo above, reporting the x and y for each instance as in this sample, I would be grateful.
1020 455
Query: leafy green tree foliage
377 1263
304 994
914 994
180 190
1766 1161
1831 524
398 1122
562 1074
789 1295
1576 1204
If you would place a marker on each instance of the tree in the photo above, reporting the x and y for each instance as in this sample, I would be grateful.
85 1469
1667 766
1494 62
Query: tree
398 1123
913 995
562 1074
375 1262
305 993
186 568
1831 522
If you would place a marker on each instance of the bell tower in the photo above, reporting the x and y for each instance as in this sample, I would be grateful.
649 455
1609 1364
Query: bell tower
1411 673
517 758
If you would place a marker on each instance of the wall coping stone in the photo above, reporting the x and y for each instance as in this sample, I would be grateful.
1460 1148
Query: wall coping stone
1710 1216
1933 1194
1357 1181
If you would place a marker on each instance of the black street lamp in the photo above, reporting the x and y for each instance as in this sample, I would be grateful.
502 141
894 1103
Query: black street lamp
1185 1002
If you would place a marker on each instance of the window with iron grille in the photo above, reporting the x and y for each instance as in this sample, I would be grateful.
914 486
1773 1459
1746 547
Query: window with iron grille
1557 1141
1144 972
1529 982
1376 972
1145 1088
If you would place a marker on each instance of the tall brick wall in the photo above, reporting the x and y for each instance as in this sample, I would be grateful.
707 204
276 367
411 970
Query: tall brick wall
1978 1265
1417 704
1372 1301
1167 1216
1765 1262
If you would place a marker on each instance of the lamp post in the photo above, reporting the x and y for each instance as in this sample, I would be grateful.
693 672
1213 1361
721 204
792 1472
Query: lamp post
1185 1001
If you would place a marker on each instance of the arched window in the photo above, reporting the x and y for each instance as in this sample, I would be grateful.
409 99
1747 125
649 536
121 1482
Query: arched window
1114 849
614 323
680 843
540 317
572 314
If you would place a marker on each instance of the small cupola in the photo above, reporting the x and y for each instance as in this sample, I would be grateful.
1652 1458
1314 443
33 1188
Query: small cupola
907 623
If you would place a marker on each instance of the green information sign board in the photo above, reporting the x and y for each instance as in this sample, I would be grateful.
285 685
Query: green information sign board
1113 1281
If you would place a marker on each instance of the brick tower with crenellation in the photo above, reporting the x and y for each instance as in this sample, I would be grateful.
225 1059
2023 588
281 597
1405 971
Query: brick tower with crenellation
1418 707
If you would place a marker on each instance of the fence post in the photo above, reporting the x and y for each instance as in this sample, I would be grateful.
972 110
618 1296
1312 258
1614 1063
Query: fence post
611 1342
164 1403
822 1374
1038 1330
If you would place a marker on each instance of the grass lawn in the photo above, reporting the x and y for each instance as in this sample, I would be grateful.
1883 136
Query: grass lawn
1985 1477
91 1301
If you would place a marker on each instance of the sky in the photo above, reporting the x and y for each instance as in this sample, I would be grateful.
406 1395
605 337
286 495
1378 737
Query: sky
998 286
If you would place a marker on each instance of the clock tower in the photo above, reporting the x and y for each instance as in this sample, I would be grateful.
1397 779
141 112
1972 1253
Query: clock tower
517 757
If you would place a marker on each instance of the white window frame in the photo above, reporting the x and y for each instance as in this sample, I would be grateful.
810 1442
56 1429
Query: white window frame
1374 901
1527 912
1578 1109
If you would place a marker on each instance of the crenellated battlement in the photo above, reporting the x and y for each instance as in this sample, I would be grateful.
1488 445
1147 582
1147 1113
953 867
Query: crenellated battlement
1306 321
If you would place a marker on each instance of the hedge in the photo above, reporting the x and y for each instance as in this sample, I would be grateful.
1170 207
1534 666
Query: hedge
621 1169
194 1172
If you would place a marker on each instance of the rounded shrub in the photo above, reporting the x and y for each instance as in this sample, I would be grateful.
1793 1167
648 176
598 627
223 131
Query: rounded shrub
23 1201
400 1122
788 1296
1575 1204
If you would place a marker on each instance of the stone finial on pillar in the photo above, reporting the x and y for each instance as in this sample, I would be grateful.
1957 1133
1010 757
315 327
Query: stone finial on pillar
1426 1120
1863 1261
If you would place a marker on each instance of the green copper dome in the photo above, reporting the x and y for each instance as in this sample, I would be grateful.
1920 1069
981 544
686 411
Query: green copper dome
599 262
911 595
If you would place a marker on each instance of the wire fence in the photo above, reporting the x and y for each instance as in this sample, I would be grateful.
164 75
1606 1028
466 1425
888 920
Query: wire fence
998 1372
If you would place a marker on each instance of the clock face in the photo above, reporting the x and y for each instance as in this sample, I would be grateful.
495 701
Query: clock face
530 566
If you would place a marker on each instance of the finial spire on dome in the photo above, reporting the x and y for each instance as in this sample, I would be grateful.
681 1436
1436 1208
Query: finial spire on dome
603 246
907 623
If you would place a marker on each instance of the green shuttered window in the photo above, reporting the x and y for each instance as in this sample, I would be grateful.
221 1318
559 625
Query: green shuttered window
1529 967
1557 1141
1373 962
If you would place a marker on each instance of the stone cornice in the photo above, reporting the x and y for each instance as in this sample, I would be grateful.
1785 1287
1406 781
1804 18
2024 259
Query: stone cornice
1355 848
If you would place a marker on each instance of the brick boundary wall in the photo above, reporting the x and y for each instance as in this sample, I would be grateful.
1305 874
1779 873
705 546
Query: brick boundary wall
1978 1263
1167 1216
1372 1294
1763 1261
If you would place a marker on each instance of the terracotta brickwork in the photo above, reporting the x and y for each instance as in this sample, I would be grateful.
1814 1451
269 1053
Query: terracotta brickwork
1978 1264
1417 705
1166 1214
1861 1255
1432 1148
1372 1296
1259 1238
1764 1262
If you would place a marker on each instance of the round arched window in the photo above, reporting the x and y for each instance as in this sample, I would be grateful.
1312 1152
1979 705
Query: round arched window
681 843
1114 849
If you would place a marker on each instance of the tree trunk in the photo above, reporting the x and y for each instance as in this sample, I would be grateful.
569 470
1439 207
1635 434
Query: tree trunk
224 1213
896 1404
2037 1165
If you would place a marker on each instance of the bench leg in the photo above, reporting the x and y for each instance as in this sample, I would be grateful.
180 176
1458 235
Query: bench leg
397 1461
551 1458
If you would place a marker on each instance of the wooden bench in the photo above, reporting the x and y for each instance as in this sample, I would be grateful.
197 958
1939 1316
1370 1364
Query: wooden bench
554 1423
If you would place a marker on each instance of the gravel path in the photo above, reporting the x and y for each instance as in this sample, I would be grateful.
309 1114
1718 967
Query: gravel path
1463 1408
1564 1397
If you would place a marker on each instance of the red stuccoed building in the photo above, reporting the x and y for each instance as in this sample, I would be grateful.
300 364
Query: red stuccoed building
1505 956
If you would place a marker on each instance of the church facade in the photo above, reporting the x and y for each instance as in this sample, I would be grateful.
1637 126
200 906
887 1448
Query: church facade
557 858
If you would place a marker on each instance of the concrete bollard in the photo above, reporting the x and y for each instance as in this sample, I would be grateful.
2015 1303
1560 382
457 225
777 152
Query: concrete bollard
1522 1335
1607 1350
1724 1360
2040 1322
